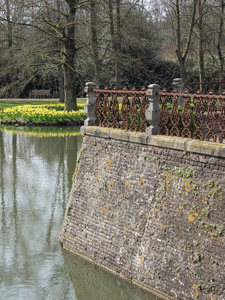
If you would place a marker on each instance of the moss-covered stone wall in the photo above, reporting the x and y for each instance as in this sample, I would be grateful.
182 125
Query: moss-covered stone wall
152 209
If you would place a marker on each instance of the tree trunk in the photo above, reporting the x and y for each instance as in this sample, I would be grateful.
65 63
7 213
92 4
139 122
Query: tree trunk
182 66
178 50
116 39
68 58
200 43
61 84
9 25
69 89
182 55
219 51
94 39
118 45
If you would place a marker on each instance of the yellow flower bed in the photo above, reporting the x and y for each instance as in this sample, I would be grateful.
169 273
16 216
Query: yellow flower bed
45 113
39 132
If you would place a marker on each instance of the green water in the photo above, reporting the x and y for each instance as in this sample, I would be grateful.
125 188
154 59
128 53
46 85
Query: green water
36 169
92 282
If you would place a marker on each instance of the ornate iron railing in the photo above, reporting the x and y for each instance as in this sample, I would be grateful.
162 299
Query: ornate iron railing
201 115
128 113
214 86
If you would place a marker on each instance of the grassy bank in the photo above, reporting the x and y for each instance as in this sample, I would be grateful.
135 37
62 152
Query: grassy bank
49 112
7 103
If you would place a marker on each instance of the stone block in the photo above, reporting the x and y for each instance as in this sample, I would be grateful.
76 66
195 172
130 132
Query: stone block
119 134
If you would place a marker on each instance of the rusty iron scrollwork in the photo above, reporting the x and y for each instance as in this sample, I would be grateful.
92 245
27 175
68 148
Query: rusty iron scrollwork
204 104
186 115
175 114
142 110
196 85
124 109
134 104
221 86
138 101
106 109
211 117
164 113
133 111
115 109
222 118
198 116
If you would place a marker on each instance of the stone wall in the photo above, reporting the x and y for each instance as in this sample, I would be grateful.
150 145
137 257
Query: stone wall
153 209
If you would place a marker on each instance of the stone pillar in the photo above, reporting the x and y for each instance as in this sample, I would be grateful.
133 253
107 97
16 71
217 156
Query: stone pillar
89 107
179 85
153 112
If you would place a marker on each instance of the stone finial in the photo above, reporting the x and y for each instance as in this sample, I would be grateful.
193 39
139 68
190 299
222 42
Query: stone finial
89 107
178 82
153 112
89 90
179 85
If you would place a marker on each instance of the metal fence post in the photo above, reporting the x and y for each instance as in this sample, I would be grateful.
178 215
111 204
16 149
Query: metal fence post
89 107
153 112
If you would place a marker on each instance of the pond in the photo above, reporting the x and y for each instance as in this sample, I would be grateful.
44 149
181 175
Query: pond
36 169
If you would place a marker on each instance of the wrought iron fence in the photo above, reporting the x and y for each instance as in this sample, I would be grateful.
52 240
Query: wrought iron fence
202 115
124 109
214 86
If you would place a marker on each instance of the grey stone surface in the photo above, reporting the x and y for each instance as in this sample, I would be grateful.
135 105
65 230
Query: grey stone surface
89 107
154 212
89 90
83 129
153 112
170 142
179 85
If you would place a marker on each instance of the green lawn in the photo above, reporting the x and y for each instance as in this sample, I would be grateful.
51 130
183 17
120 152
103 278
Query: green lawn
8 103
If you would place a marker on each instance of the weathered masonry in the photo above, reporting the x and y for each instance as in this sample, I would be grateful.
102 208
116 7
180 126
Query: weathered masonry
152 209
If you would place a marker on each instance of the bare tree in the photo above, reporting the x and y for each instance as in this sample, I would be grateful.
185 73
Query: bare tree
182 53
184 14
115 32
210 38
201 37
93 8
57 23
220 37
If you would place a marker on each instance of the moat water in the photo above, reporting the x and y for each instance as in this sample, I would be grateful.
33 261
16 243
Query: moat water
36 169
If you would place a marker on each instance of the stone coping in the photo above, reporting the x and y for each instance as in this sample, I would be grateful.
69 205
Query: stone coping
171 142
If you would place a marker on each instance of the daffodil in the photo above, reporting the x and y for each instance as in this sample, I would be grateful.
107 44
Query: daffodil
49 113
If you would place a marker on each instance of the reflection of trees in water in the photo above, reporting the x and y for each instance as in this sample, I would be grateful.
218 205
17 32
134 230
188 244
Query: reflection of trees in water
2 194
36 176
61 150
20 252
60 190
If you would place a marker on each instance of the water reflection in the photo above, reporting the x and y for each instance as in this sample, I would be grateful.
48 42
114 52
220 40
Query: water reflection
36 169
35 180
94 283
